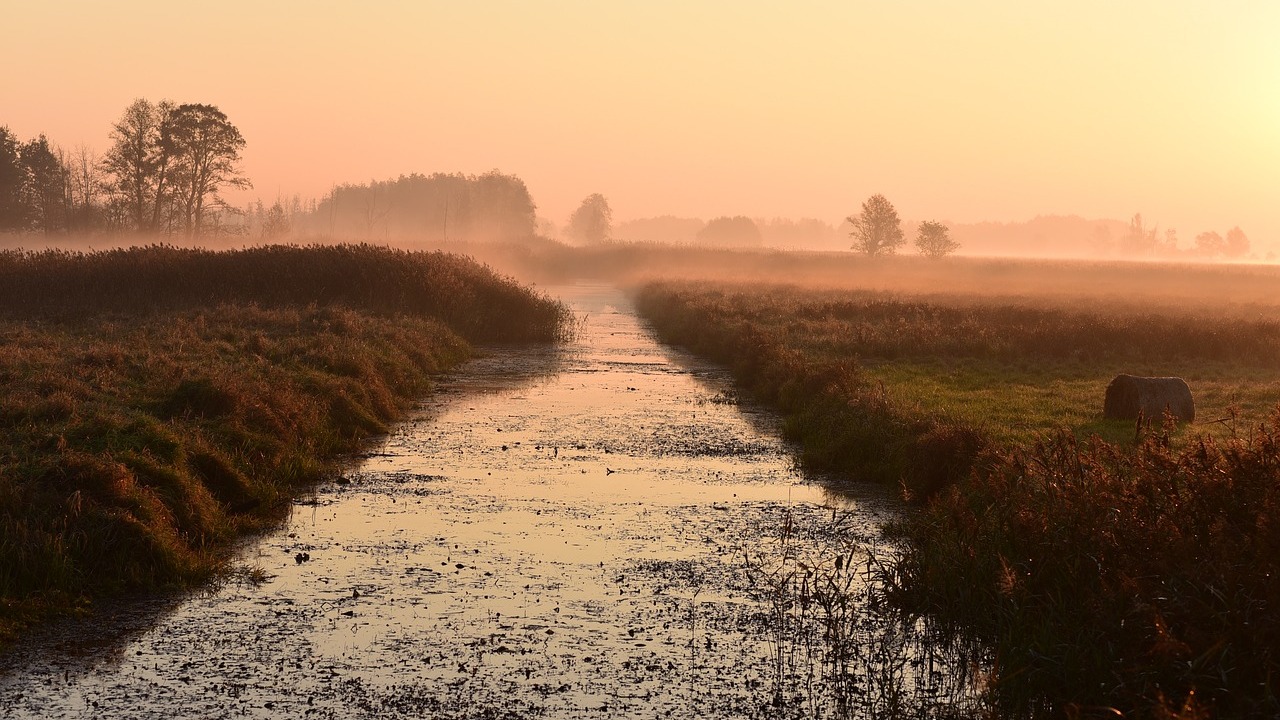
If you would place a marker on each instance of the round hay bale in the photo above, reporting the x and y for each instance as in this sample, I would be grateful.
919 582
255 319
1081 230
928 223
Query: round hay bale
1129 395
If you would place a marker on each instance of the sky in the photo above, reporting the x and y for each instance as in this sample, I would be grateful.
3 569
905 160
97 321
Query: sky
961 111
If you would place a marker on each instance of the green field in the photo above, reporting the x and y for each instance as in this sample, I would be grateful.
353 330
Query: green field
1098 564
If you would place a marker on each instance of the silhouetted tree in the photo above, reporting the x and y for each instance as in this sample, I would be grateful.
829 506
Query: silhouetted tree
86 184
592 221
138 162
1236 245
12 177
205 151
275 223
437 207
510 212
45 187
933 239
730 231
1209 244
877 229
1139 240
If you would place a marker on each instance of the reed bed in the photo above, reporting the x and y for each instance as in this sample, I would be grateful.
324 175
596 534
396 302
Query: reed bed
471 299
1135 576
157 403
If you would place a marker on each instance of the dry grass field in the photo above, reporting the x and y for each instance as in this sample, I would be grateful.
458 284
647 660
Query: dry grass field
157 402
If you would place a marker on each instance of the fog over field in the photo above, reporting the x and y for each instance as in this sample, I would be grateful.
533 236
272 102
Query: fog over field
1141 130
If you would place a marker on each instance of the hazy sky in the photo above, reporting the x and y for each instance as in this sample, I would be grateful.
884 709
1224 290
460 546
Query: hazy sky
959 110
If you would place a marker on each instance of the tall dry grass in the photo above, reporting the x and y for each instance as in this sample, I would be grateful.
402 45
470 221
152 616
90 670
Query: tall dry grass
472 299
1098 576
1104 577
155 403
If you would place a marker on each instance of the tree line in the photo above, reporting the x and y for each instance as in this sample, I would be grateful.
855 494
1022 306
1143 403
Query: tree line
876 230
441 207
163 173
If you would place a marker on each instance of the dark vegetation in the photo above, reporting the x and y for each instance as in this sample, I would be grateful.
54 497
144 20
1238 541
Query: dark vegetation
156 403
436 208
1138 576
166 168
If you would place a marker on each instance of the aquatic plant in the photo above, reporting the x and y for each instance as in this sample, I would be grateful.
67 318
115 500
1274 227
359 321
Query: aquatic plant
839 649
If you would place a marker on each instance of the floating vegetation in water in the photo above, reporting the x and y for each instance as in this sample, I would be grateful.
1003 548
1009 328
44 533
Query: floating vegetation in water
839 649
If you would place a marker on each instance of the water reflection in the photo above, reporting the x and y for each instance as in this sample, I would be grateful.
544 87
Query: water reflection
564 532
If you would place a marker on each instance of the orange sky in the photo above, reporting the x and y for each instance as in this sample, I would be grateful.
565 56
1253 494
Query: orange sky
962 111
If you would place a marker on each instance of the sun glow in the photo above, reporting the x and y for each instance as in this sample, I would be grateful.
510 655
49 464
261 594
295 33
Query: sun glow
990 110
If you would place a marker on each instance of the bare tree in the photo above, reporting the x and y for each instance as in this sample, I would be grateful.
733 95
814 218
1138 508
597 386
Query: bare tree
877 229
933 239
275 223
86 186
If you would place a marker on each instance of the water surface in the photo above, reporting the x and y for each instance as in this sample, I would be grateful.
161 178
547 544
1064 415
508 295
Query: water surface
595 530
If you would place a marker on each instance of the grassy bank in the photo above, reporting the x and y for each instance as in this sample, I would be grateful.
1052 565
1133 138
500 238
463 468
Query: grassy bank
156 403
1100 574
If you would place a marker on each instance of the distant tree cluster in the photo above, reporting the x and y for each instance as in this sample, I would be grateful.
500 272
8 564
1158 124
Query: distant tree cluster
805 233
35 185
877 230
736 231
1142 241
163 173
435 208
1212 245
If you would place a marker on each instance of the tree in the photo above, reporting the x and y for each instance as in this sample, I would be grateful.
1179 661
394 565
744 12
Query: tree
1210 244
592 221
45 186
1139 239
934 240
1237 244
12 178
275 222
737 231
138 163
877 229
86 188
438 207
506 210
205 150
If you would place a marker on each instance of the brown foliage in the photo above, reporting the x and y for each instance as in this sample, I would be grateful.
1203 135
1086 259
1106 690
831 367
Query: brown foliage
156 402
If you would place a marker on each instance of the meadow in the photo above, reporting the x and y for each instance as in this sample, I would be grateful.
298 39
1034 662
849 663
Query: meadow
1100 565
158 403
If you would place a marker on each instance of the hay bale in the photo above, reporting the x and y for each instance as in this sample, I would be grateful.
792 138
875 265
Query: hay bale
1128 395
